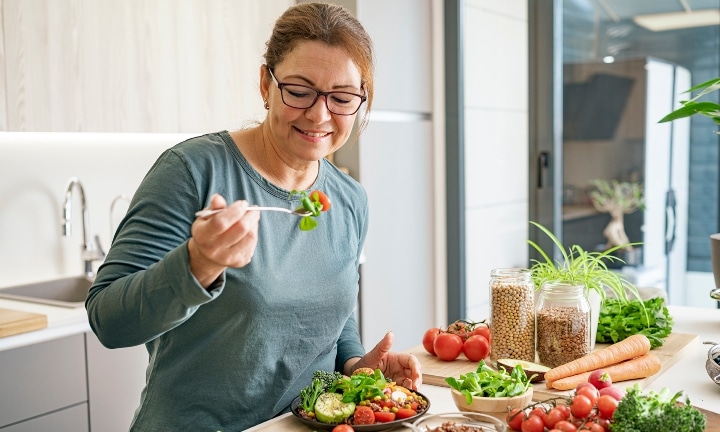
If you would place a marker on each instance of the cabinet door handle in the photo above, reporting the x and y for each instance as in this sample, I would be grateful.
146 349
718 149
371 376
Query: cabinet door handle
543 164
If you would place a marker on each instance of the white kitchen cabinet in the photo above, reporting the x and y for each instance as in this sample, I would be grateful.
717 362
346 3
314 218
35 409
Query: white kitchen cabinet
43 384
73 419
116 378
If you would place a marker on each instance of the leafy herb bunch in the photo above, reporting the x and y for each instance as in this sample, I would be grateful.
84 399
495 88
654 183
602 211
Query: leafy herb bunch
618 320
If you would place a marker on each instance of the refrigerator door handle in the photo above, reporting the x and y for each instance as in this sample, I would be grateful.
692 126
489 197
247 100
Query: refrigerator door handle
670 221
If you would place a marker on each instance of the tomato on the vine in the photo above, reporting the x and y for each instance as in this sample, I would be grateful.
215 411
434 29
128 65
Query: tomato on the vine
590 392
429 339
476 348
606 406
581 406
448 346
593 427
532 424
483 330
514 418
565 426
555 415
459 328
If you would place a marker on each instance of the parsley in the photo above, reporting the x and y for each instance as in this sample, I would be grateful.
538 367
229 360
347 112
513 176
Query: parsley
619 319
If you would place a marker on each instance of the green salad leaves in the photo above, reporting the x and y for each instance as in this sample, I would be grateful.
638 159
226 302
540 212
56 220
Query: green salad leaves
619 319
487 382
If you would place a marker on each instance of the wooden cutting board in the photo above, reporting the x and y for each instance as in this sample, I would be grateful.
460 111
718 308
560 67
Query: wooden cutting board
13 322
435 370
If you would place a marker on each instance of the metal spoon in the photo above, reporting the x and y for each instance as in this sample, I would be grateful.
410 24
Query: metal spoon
302 213
715 294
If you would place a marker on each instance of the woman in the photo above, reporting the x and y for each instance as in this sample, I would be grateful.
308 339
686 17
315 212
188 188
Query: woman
237 310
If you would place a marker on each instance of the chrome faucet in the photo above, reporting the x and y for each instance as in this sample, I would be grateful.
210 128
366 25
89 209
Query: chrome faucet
90 252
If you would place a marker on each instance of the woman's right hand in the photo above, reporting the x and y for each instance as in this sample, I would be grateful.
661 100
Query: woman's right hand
225 239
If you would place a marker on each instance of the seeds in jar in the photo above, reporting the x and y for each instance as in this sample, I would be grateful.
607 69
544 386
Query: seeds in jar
512 320
563 335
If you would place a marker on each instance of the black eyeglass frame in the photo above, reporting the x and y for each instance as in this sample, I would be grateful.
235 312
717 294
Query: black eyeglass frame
318 93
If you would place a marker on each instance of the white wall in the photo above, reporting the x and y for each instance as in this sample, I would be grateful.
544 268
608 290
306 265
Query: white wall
35 168
496 143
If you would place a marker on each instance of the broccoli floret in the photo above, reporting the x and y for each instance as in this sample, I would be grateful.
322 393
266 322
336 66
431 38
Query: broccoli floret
328 379
655 411
310 394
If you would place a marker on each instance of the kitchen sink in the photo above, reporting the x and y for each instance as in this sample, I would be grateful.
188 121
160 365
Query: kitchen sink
67 292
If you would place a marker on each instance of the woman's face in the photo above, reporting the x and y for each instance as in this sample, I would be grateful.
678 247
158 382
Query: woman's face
308 135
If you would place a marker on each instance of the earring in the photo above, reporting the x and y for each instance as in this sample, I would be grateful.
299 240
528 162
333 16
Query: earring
267 105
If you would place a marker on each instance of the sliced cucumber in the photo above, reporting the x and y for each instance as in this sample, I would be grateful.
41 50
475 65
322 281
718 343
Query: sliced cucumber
329 408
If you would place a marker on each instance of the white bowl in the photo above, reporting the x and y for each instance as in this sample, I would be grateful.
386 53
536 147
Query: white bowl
491 404
486 421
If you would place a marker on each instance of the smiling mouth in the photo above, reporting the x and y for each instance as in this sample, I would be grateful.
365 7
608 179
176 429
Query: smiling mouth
313 134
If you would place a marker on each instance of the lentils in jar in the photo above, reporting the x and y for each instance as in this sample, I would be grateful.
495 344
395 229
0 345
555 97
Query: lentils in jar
563 324
512 315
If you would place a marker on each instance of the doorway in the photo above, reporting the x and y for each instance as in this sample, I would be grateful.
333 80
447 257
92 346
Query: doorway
602 74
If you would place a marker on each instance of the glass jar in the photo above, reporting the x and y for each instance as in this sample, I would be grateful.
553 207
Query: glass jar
512 314
563 323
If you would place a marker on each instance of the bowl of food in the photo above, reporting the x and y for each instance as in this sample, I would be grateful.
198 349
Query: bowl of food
712 364
491 404
367 401
464 421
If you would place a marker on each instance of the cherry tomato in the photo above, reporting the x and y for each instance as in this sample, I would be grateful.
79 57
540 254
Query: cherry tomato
565 409
581 406
590 392
429 339
476 348
565 426
600 379
459 328
482 330
532 424
555 415
448 346
384 416
404 413
605 423
363 416
593 427
514 418
583 385
538 411
323 199
343 428
606 405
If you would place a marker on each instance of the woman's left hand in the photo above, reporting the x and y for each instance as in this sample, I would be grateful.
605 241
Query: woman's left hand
402 368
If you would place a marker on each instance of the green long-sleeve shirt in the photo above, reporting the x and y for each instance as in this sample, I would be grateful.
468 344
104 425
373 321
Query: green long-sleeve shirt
237 354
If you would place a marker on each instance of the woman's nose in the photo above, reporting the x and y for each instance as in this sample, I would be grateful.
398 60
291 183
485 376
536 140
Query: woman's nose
319 111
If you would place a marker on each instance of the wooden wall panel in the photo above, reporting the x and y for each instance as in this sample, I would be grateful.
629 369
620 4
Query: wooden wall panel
134 65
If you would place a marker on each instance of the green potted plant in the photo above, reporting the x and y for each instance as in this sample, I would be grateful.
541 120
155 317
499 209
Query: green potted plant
581 267
712 110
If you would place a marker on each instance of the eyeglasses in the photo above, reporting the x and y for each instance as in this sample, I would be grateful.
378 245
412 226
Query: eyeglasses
303 97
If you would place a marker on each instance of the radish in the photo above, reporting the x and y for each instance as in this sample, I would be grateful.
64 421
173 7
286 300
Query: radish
600 379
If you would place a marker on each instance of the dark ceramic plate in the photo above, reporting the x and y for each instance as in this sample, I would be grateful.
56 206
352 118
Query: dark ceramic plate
358 428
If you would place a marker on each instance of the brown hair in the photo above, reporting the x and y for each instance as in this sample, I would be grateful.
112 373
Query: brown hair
330 24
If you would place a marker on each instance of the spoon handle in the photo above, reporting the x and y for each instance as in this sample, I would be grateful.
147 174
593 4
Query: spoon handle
208 212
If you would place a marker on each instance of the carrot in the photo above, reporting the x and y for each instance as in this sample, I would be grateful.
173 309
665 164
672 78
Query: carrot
639 367
628 348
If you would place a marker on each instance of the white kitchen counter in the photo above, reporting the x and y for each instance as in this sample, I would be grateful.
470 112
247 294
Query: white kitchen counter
61 322
688 374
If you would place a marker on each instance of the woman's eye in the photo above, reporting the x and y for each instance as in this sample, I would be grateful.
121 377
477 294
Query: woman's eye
299 93
341 99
